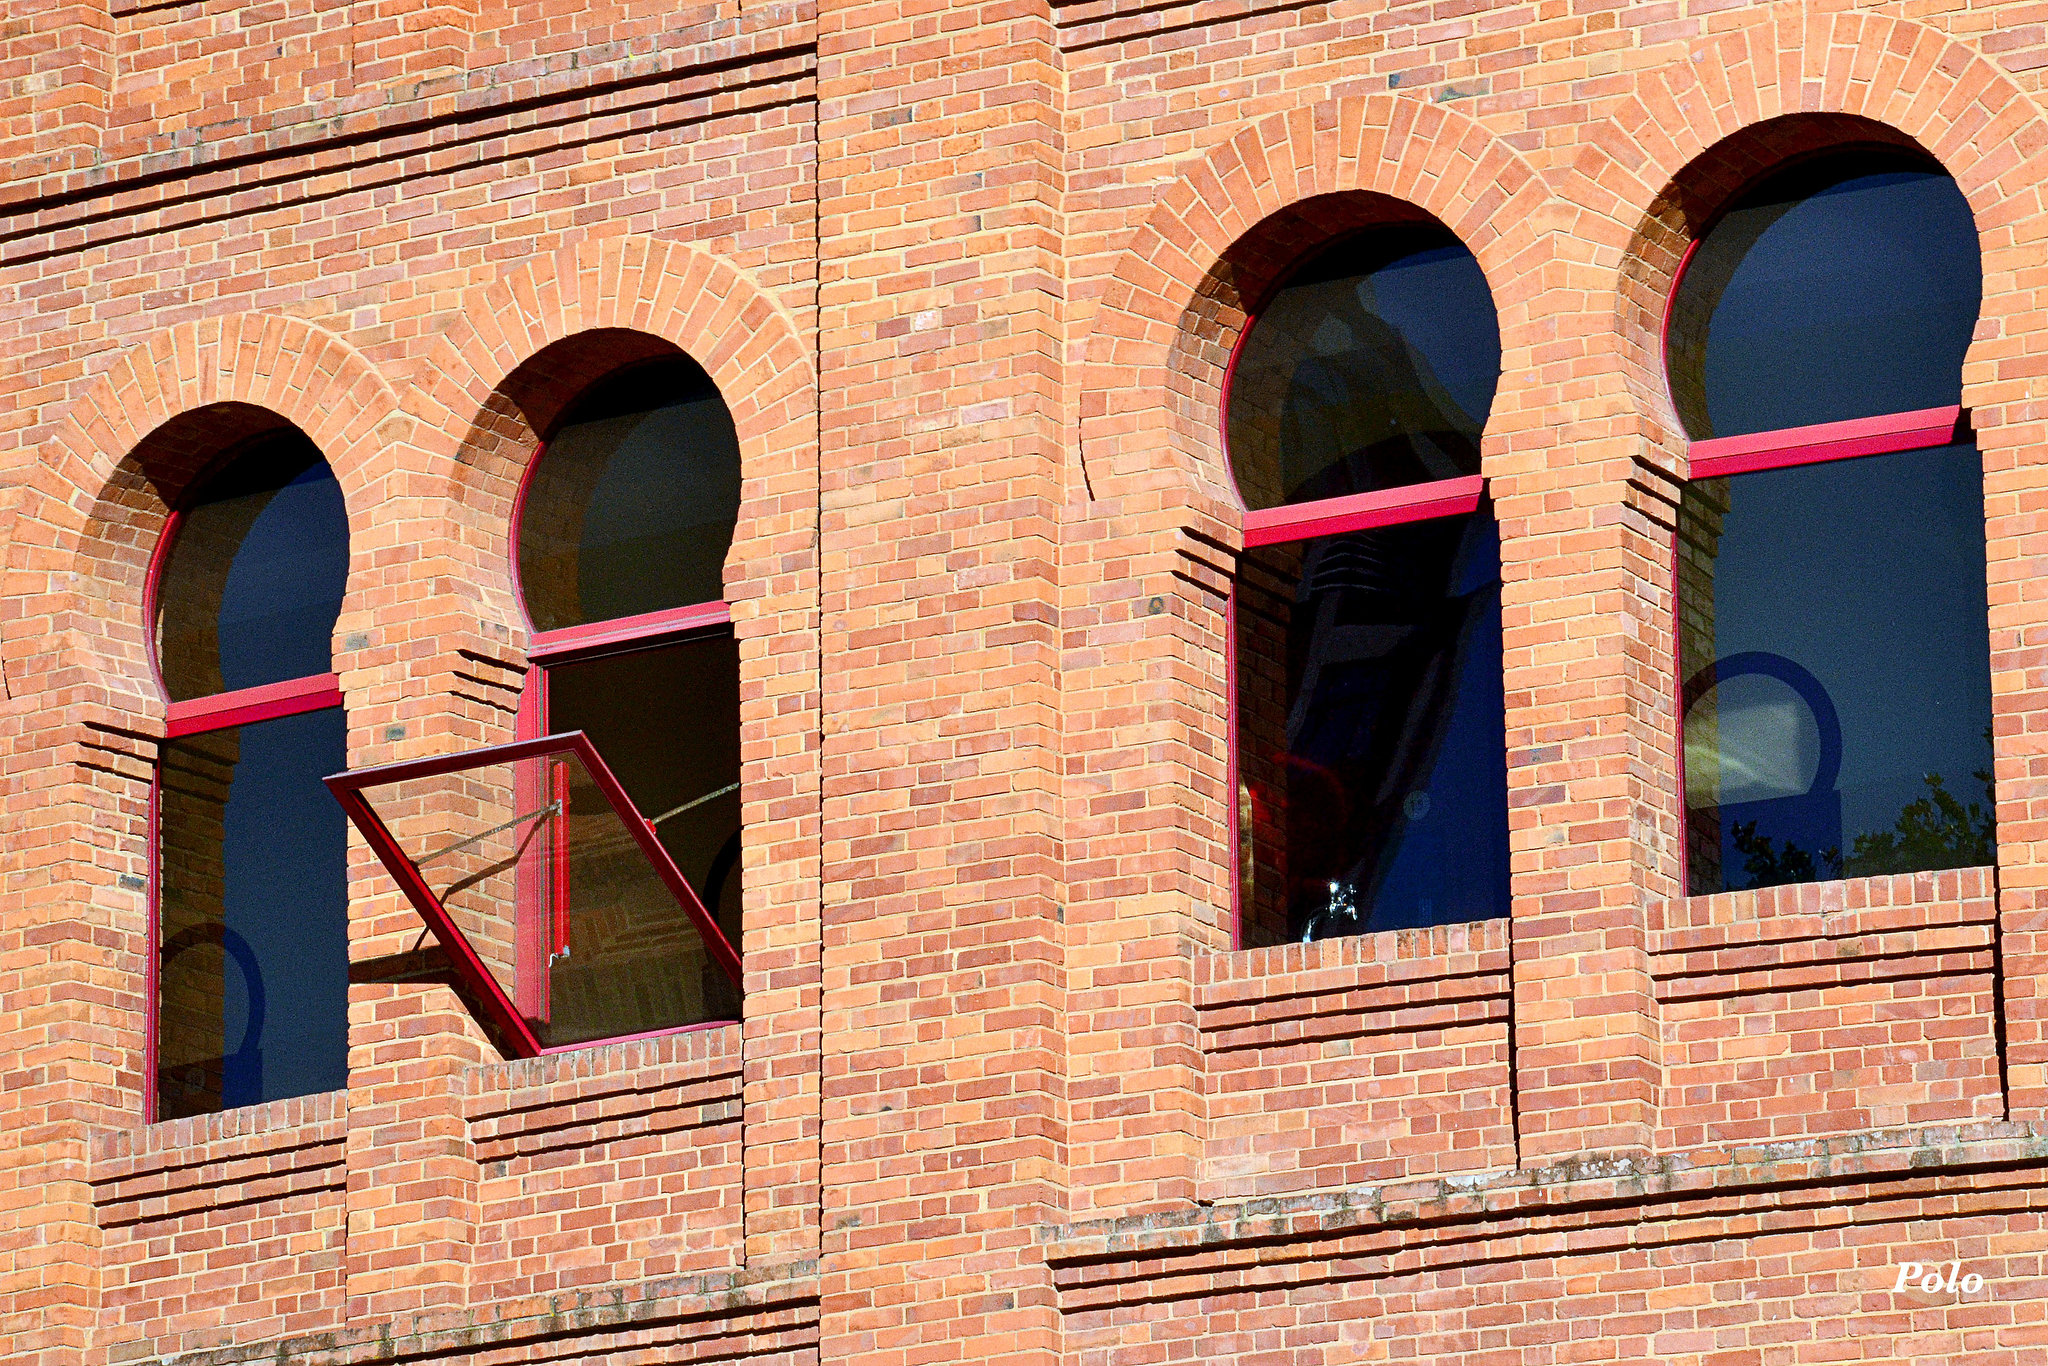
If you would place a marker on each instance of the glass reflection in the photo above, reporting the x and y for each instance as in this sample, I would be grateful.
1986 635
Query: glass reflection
1373 368
676 750
1843 287
1837 670
252 985
632 506
1371 742
254 579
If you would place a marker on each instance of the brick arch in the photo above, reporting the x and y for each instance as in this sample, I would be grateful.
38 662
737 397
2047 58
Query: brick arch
477 441
1150 400
1805 67
745 339
1788 65
87 523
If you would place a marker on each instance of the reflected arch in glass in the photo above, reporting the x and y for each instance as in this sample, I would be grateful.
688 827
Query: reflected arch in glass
1845 285
631 506
250 888
255 566
1372 367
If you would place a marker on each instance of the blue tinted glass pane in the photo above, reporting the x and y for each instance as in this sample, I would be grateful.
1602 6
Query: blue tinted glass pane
252 982
1370 729
1839 289
1373 368
1836 658
633 504
255 576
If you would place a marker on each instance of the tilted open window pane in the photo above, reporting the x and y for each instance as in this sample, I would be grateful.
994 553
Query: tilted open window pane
1836 667
252 978
632 505
548 890
1371 742
1373 368
255 574
1843 287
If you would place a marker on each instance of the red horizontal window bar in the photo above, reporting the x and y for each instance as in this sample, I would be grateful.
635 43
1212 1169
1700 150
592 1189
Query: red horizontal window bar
1358 511
245 706
1725 455
598 635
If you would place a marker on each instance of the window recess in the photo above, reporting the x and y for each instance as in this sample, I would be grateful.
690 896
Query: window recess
585 879
1832 626
1368 755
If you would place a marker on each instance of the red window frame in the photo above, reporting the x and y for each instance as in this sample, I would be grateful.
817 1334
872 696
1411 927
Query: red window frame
503 1012
544 911
1454 497
1782 448
1821 443
197 716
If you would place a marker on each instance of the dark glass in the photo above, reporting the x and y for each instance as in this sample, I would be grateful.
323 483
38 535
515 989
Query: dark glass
1833 644
667 721
1373 368
252 982
1372 757
255 576
1843 287
633 504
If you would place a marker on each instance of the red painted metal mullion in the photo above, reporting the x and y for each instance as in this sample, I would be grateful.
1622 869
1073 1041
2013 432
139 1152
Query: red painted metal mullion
516 522
1826 441
246 706
1360 511
151 984
558 866
569 642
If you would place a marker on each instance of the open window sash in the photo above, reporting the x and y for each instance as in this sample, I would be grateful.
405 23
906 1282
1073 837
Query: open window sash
552 895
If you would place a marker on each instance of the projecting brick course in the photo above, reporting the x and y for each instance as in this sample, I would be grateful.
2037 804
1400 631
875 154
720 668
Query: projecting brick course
1007 1090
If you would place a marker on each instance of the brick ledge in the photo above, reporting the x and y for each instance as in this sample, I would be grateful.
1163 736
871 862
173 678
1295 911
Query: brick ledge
1505 1194
707 1303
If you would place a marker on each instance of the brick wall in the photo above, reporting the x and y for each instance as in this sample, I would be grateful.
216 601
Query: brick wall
1829 1008
969 277
607 1168
221 1228
1356 1062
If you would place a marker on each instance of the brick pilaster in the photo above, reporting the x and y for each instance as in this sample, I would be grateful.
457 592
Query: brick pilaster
940 297
412 1171
73 912
56 73
1591 794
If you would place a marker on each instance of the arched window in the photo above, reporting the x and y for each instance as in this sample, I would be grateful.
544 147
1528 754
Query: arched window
251 990
585 878
1834 659
622 535
1370 767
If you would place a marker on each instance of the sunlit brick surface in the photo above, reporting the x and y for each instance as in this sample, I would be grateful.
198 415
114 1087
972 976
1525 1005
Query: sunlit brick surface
1007 1090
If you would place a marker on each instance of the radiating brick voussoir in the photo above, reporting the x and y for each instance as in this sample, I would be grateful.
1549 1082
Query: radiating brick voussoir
1437 158
287 366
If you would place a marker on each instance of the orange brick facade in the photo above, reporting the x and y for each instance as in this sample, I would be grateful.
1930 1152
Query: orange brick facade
968 277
